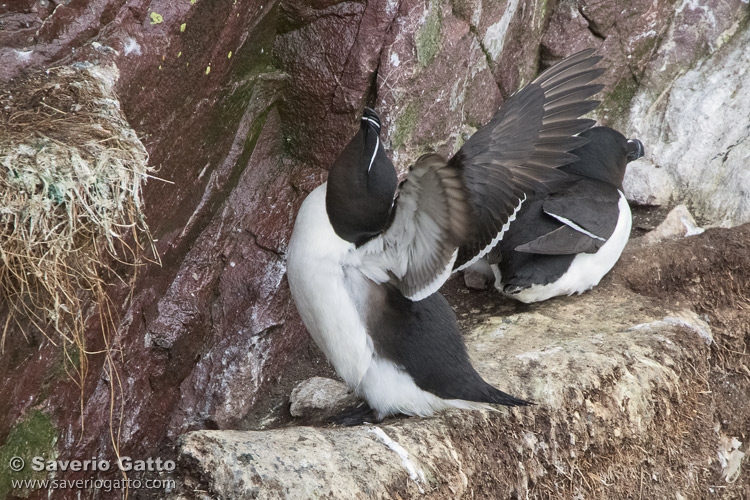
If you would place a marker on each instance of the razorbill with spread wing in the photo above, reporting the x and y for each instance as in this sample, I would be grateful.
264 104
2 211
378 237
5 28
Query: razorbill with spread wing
364 265
565 240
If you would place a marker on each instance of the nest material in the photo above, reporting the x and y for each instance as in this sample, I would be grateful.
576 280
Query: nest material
71 171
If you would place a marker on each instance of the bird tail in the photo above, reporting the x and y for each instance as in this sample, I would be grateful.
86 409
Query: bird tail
499 397
496 397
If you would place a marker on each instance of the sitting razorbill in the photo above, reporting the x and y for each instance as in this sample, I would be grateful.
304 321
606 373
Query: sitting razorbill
566 239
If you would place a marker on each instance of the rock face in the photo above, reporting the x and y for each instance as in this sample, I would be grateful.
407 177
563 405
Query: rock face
696 127
242 106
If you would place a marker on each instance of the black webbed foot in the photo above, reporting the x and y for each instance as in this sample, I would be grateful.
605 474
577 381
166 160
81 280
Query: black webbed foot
359 414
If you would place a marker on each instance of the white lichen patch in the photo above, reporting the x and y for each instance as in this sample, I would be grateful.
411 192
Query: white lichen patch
536 355
132 47
685 319
494 37
730 457
24 55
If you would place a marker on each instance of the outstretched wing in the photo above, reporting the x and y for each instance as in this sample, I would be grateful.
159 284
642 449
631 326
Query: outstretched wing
432 218
517 151
448 214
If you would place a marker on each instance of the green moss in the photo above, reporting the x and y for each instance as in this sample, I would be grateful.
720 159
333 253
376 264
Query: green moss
617 102
543 10
33 437
463 9
644 48
252 138
405 125
67 366
459 142
428 37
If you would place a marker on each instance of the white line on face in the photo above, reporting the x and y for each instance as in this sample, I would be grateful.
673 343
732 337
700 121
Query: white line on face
377 144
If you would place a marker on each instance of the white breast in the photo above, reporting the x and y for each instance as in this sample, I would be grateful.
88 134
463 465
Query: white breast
316 279
587 269
329 291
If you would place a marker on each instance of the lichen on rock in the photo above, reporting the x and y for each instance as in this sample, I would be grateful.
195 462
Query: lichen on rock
428 37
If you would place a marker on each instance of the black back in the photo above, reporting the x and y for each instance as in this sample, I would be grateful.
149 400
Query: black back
360 191
423 337
525 268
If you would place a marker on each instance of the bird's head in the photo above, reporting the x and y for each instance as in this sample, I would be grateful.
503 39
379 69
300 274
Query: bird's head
362 184
606 155
635 150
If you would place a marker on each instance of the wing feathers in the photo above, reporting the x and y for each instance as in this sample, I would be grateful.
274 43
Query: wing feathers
517 152
432 220
449 214
562 241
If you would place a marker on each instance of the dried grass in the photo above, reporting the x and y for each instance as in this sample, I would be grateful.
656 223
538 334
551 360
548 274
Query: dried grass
71 172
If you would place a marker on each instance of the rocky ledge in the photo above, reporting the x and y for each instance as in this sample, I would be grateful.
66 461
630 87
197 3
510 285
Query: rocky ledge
636 392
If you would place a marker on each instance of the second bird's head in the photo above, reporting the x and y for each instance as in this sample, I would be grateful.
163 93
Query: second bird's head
362 184
605 156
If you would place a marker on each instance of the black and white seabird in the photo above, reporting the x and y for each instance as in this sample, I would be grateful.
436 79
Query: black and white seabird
364 265
565 240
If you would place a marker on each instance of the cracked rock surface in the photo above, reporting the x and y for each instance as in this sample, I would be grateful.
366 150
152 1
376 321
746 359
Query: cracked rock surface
622 379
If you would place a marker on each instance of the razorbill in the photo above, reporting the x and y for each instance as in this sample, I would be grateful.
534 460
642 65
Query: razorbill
364 264
566 239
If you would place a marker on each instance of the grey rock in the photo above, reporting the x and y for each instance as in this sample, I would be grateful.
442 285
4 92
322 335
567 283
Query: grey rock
478 276
647 184
697 132
320 397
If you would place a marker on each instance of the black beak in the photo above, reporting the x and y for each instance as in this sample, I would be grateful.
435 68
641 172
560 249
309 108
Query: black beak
369 116
635 149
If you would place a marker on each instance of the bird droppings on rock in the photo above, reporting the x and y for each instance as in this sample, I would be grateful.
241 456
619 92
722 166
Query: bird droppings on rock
679 223
416 474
